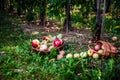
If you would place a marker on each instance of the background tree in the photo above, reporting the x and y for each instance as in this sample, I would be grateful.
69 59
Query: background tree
97 28
103 20
2 5
67 23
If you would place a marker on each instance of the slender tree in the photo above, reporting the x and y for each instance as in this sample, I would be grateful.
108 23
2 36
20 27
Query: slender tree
97 29
103 19
67 23
2 5
43 12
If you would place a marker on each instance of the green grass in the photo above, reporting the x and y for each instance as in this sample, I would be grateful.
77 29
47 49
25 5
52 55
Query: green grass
19 62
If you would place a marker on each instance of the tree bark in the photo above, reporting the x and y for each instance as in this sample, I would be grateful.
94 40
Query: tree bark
97 28
2 5
11 6
67 22
103 19
43 14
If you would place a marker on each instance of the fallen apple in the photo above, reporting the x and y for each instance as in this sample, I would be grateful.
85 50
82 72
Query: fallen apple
43 47
49 49
114 38
35 43
57 42
69 56
83 54
59 56
76 55
100 51
97 47
91 52
95 56
62 52
46 38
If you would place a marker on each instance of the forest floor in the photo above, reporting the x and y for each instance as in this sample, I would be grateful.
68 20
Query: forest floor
76 36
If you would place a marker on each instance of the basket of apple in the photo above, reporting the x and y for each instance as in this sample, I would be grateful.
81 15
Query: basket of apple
102 48
47 43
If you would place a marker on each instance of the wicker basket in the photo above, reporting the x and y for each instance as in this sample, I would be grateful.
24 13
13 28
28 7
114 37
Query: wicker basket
47 51
108 48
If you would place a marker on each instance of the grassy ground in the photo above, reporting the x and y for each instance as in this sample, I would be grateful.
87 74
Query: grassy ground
19 62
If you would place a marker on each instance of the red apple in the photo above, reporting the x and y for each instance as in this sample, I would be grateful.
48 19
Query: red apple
46 38
97 47
35 43
57 42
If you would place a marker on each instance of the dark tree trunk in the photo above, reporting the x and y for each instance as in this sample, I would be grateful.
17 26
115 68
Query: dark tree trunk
2 5
107 5
103 19
97 29
67 22
19 7
11 6
43 14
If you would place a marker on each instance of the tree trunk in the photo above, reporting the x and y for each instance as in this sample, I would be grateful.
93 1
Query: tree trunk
97 28
103 19
67 23
43 13
2 5
11 6
107 5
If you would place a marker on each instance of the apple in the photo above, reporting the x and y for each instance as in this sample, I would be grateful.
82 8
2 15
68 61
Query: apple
46 38
90 52
83 54
97 47
35 43
49 49
114 38
69 56
57 42
62 52
76 55
95 55
59 56
100 51
43 47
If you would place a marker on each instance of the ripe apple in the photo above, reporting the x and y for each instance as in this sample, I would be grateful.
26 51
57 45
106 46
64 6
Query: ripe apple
57 42
76 55
90 53
97 47
46 38
43 47
83 54
69 56
49 49
114 38
62 52
95 55
100 51
59 56
35 43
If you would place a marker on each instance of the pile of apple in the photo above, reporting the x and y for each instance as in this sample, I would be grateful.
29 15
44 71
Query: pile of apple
47 43
96 51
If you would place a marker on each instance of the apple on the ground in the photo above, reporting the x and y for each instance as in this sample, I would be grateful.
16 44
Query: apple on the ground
35 43
95 55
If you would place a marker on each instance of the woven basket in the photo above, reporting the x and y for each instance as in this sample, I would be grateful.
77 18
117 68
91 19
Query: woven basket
47 51
108 48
